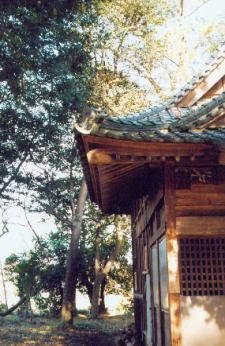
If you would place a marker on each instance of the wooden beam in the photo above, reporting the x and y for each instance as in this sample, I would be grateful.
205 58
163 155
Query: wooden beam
120 156
200 210
203 87
172 254
99 157
196 200
216 90
205 225
201 191
138 147
170 199
217 121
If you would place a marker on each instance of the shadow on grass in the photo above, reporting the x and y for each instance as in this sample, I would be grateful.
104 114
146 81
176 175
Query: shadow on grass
41 332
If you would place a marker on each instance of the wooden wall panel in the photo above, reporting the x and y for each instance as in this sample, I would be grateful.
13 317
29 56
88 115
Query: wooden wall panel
205 225
201 200
148 225
200 212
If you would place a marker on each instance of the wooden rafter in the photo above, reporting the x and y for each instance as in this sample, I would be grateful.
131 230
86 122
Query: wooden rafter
116 164
109 157
203 87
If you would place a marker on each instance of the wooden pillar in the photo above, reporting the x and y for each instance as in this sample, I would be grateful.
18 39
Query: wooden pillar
172 253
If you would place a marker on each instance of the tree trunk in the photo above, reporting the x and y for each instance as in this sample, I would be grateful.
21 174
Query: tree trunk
14 307
102 272
181 7
89 296
89 288
68 307
99 277
102 307
3 284
26 310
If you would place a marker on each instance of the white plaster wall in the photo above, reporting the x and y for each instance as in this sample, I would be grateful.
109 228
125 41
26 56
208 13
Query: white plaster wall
203 321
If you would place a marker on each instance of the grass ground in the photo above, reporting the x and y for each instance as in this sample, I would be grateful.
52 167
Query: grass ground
40 331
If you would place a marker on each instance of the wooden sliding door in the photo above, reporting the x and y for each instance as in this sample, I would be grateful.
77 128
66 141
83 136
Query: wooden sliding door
161 323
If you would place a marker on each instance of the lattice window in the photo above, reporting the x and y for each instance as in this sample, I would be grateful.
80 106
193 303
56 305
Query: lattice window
202 266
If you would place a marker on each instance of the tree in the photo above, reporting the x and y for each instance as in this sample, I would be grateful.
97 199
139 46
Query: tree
4 285
131 54
42 270
103 267
188 43
54 179
71 269
56 199
57 192
44 77
52 254
22 271
104 245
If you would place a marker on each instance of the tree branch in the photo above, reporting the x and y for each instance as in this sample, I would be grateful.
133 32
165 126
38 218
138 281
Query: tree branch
26 153
14 307
6 184
5 228
58 216
30 225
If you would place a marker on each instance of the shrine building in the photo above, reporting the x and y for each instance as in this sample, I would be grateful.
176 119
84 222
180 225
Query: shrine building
165 167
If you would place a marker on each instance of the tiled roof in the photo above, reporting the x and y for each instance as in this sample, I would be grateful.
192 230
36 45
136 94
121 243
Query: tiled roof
166 123
213 63
198 118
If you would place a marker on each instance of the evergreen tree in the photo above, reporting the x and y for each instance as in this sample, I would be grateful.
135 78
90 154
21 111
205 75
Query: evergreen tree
45 74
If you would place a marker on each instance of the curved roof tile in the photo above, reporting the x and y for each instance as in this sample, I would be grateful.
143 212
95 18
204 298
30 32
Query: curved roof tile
162 124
